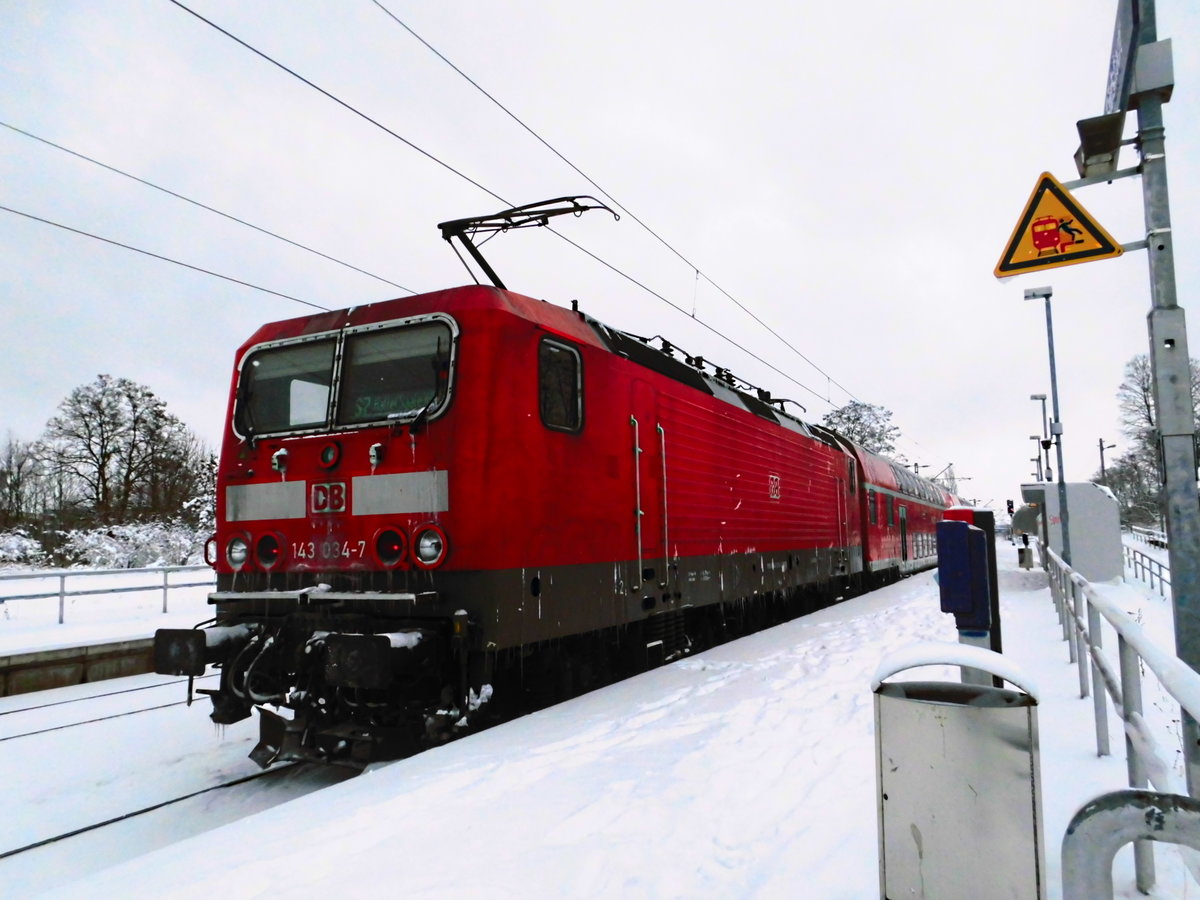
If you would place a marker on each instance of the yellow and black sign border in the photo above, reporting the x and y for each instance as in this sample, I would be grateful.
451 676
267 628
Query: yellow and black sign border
1108 247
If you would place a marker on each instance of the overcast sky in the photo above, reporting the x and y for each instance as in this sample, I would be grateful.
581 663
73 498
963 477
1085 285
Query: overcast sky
849 172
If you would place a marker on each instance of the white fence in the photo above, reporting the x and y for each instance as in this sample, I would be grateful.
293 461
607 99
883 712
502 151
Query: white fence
1082 608
42 585
1149 569
1151 536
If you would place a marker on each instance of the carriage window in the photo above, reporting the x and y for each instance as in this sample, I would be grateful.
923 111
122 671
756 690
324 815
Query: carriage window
872 509
891 511
560 386
394 374
285 388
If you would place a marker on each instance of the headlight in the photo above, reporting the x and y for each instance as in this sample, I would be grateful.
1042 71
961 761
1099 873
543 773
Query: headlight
330 454
389 546
429 547
236 552
269 550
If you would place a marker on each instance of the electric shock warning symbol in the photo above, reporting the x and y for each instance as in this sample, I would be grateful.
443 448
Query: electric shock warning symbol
1054 230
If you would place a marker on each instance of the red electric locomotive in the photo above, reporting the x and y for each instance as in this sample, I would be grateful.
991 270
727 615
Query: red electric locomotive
429 499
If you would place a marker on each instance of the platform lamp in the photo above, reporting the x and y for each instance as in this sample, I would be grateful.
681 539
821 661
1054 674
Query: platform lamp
1056 428
1045 434
1103 447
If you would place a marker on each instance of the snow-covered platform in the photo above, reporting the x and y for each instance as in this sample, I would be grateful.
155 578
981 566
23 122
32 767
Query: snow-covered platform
101 636
746 771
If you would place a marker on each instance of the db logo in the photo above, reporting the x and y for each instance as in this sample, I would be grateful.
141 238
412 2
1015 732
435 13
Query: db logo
774 487
328 498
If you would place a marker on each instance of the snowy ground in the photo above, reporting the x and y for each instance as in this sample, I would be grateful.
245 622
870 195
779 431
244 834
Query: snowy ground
747 771
134 749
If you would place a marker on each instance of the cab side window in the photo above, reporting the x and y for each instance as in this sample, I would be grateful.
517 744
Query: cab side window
560 386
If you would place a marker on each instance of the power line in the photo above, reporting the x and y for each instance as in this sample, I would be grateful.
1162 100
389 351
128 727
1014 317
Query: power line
616 203
493 194
342 103
473 182
700 322
232 218
177 262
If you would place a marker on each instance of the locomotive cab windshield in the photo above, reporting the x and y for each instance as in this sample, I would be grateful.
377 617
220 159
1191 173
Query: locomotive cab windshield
375 374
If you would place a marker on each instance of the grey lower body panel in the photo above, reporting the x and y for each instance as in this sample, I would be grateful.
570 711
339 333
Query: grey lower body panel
520 606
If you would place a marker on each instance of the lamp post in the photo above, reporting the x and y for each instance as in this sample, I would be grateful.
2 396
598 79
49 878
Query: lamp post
1045 432
1103 447
1037 449
1055 428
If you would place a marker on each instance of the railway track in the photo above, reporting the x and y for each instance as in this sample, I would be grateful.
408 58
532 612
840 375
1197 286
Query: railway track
146 809
51 711
99 774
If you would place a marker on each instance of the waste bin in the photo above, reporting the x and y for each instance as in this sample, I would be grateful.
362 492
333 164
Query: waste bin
1025 557
959 791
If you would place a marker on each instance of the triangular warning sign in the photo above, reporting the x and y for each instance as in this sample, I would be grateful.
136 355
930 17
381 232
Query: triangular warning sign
1054 230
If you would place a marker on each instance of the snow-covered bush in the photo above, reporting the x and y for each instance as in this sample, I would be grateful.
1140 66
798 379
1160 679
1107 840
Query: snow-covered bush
18 549
134 546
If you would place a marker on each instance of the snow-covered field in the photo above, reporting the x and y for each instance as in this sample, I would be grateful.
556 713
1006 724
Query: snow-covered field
746 771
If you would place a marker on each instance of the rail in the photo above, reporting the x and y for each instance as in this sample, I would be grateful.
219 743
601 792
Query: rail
1152 536
1148 569
166 585
1081 606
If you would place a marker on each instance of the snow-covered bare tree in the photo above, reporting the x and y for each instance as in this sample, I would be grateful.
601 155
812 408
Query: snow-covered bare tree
1135 477
200 509
19 483
866 424
125 456
1136 396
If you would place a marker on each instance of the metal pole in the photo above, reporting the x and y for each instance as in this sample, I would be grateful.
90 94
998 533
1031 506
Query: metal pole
1056 430
1131 705
1172 397
1046 437
1103 447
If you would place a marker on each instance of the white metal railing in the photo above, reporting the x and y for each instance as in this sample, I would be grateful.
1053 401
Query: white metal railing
1151 536
1081 606
166 585
1149 569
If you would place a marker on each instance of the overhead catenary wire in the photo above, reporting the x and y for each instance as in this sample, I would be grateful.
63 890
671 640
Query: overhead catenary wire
203 206
349 107
364 116
342 103
691 265
699 273
177 262
698 321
